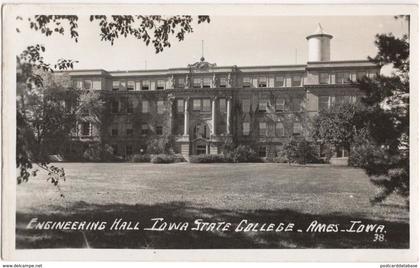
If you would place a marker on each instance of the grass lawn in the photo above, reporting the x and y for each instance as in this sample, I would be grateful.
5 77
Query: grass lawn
183 192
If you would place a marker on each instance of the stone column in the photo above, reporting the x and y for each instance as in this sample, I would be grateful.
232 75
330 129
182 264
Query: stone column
228 106
186 117
171 114
213 116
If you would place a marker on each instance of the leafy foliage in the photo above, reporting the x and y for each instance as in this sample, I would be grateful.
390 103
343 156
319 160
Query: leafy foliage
378 131
302 152
154 29
336 126
244 153
42 119
209 158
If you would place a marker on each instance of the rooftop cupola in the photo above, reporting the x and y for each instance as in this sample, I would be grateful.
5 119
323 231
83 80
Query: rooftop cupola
319 45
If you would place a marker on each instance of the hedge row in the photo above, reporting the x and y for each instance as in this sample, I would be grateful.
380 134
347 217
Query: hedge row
157 158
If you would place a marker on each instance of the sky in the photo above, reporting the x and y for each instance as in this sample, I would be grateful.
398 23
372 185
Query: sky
228 40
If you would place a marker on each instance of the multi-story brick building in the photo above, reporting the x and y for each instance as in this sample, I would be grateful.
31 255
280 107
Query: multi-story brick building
203 104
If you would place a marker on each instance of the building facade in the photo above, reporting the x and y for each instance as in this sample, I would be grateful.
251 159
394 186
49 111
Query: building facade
203 105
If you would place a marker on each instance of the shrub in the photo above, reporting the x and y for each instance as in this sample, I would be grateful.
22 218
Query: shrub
277 159
161 145
178 158
140 158
243 153
302 152
162 159
208 158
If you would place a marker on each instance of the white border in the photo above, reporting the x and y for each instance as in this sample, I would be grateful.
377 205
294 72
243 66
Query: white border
326 255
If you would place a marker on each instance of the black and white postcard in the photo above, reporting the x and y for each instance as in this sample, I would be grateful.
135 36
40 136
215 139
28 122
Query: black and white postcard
210 132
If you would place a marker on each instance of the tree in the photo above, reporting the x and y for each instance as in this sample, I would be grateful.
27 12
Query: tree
41 116
337 126
387 118
378 131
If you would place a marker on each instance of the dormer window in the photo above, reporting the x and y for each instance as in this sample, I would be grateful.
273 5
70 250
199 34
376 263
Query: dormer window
262 82
78 84
279 81
296 81
87 84
96 85
207 82
246 82
181 83
324 78
196 82
115 85
342 78
145 85
223 82
130 85
160 85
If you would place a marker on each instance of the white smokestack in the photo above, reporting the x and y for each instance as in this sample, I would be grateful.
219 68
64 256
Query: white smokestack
319 45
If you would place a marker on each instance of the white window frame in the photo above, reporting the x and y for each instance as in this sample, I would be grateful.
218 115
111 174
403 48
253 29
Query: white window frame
145 107
246 127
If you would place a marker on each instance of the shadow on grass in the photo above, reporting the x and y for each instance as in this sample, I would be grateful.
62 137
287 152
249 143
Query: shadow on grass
396 236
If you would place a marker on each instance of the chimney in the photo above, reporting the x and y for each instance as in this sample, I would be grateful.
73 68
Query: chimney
319 45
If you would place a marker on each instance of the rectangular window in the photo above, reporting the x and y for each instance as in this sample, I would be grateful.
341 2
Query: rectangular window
96 85
223 82
339 100
145 85
123 84
206 105
181 83
115 149
323 103
115 106
85 128
138 85
372 74
222 105
296 104
246 105
88 84
78 84
206 82
180 105
296 81
129 106
160 85
246 82
197 82
324 78
159 130
297 128
262 105
279 129
115 85
360 75
263 128
280 104
196 104
245 128
114 132
130 85
160 107
128 149
144 129
262 151
145 107
129 131
262 82
279 81
342 78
